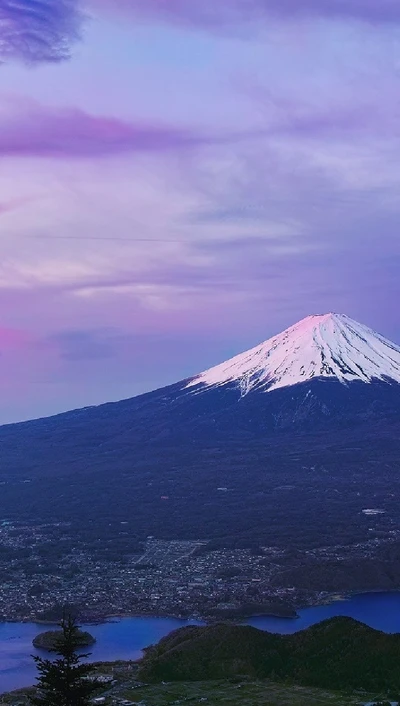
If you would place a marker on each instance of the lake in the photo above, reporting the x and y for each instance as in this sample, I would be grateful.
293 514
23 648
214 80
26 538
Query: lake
125 638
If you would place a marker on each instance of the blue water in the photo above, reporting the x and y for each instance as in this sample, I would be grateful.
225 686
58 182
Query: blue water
125 639
379 610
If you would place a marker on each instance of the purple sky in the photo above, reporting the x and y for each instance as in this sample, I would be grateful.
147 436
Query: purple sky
181 180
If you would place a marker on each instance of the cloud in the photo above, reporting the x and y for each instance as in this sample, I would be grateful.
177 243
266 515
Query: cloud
35 31
236 14
13 204
28 129
31 130
13 339
84 344
344 256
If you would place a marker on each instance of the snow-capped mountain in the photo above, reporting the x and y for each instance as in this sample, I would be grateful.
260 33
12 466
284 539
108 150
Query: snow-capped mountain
301 462
323 346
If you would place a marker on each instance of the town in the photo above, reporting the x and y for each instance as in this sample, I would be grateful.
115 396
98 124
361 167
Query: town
176 578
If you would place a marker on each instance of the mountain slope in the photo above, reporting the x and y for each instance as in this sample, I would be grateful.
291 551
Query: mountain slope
337 653
333 442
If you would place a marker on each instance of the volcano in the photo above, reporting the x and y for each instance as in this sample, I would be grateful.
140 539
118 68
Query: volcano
327 346
303 431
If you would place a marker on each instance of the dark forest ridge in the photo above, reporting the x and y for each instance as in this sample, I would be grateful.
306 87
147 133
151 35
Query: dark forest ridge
340 653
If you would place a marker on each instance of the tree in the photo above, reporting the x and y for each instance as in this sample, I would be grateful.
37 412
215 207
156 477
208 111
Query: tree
66 680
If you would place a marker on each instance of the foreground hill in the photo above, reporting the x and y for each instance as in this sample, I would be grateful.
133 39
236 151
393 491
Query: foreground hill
340 653
312 415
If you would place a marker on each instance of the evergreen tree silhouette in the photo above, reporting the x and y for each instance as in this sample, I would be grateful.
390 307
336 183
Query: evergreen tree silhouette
64 680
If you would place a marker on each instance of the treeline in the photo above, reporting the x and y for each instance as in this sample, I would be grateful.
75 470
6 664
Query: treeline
340 653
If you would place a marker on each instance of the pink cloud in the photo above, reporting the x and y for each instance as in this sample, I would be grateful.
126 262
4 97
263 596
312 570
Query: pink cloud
13 339
31 130
36 131
13 204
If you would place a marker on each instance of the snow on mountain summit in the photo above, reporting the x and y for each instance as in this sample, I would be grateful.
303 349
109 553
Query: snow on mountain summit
327 346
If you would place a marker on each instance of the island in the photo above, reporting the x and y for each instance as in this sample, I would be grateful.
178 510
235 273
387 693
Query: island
51 639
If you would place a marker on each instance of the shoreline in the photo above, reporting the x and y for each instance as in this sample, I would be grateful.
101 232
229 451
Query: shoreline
329 598
117 617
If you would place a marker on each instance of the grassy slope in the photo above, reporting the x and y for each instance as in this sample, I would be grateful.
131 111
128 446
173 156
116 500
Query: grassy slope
224 693
258 693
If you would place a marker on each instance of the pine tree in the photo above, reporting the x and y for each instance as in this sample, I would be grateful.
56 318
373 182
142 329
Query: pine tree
64 681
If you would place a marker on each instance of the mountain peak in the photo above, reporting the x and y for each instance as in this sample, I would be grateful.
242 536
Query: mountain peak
319 346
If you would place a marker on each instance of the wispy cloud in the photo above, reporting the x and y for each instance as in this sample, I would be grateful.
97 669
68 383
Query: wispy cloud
12 204
30 130
12 339
343 256
85 344
37 31
234 14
